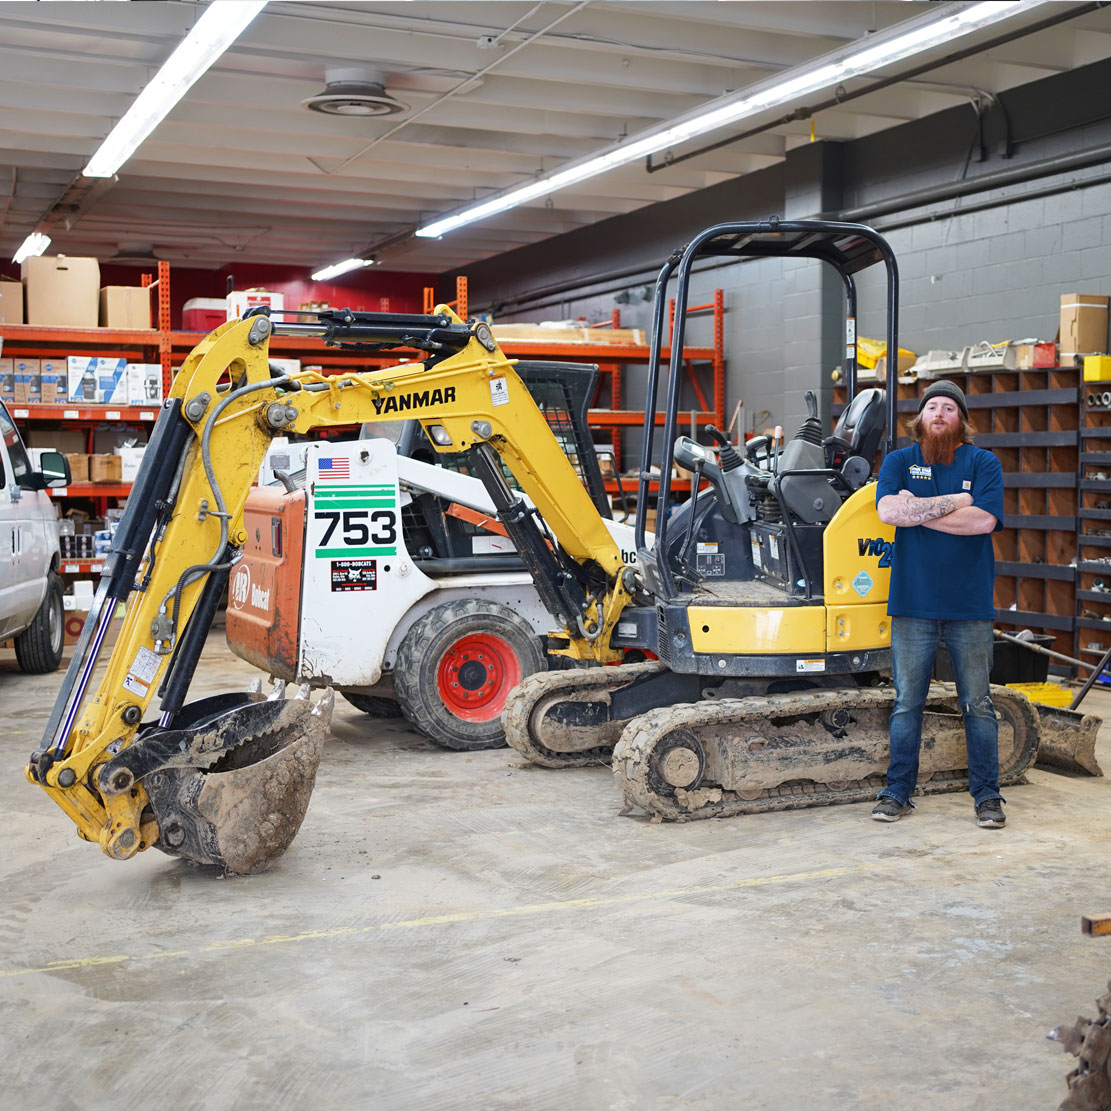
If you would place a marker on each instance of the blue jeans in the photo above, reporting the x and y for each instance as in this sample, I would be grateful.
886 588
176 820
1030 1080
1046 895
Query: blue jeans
914 643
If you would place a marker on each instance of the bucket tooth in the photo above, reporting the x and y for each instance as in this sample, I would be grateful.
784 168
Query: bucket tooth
303 692
324 706
278 693
255 686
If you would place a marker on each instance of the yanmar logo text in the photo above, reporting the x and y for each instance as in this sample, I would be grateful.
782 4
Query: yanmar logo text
400 402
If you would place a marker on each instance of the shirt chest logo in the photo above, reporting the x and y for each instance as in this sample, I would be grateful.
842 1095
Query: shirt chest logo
917 471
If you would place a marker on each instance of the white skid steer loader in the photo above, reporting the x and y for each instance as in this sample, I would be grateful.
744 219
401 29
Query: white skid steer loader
374 571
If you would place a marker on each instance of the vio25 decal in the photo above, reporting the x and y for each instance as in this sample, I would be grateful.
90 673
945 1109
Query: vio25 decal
877 547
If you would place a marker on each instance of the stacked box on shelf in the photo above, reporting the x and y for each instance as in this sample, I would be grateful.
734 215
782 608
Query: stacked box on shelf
78 466
105 468
54 381
28 381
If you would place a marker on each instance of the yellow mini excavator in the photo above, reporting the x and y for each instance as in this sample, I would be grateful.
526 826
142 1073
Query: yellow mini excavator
769 602
763 598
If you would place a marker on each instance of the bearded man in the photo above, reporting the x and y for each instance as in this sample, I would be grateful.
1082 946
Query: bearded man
945 498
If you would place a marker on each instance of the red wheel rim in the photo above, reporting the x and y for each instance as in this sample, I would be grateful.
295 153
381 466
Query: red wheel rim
476 675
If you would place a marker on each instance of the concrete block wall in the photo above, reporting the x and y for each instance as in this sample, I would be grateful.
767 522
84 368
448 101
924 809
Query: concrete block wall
998 274
990 265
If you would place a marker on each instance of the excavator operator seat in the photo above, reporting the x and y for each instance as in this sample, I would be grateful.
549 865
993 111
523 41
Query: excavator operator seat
851 450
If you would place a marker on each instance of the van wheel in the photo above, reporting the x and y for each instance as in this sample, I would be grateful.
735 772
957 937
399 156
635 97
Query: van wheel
456 666
38 649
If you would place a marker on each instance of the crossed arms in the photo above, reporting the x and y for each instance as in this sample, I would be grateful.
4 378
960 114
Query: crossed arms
952 513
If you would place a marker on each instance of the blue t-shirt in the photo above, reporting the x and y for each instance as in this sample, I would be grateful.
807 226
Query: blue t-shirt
935 574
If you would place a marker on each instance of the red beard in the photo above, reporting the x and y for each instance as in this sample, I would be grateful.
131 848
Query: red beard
940 446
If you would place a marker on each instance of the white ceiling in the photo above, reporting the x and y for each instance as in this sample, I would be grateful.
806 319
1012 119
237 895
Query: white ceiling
497 92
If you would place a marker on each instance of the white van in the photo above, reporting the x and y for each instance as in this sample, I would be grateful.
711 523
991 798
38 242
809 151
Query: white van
30 587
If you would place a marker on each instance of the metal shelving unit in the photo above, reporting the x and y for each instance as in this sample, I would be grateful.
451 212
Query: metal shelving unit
1030 419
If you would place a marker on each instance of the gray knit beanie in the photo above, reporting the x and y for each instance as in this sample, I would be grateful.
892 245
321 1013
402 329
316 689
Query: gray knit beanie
944 389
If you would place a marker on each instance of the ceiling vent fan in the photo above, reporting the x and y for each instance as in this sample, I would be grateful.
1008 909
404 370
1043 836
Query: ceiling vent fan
133 254
354 92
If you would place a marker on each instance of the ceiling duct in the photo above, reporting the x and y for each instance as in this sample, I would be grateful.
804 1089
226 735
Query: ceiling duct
354 92
133 254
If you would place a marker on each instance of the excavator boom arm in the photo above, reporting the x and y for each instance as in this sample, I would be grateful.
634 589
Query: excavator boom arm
184 526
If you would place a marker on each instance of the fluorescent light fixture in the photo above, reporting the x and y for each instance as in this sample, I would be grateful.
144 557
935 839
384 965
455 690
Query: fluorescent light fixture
222 23
32 246
865 56
338 268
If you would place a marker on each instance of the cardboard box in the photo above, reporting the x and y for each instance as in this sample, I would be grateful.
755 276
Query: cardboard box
111 381
1084 319
125 306
11 301
203 314
7 380
130 459
28 385
105 468
1031 356
95 380
75 621
905 363
144 383
54 376
241 300
81 374
65 440
109 438
78 466
62 292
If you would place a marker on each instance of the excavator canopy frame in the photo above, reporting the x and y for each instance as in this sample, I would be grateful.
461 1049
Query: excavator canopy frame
848 248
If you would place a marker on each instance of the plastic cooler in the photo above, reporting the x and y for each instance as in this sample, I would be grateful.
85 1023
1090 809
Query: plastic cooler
202 314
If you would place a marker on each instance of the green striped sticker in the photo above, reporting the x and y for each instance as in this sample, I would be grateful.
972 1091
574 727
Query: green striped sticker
354 553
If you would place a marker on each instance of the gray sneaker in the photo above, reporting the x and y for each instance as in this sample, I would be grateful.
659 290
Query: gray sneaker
889 810
989 814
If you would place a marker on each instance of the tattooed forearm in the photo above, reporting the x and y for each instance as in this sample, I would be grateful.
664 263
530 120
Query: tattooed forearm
907 510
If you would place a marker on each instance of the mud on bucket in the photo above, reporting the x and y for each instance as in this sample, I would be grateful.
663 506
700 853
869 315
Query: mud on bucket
235 791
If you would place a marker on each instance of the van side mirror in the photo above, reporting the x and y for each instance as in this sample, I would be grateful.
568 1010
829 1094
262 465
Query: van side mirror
54 467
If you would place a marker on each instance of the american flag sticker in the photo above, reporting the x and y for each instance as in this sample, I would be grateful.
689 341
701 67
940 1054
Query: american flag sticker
333 469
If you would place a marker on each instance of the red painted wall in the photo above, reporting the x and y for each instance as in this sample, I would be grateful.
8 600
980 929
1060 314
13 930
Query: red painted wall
361 289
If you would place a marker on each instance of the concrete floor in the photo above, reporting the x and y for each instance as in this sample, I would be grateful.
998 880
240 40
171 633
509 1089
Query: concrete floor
461 931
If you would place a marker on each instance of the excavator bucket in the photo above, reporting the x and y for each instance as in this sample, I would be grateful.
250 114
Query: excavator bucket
234 776
1067 740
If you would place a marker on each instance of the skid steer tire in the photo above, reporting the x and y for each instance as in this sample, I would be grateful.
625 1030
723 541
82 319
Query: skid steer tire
373 705
456 666
38 649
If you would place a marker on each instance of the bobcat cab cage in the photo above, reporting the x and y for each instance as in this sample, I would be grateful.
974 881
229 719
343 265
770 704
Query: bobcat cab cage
849 248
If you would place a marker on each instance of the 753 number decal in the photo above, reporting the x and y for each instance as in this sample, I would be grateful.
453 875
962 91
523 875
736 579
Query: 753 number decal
357 527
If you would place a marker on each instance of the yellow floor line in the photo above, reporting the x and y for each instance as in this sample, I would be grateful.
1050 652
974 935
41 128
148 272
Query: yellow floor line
486 915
